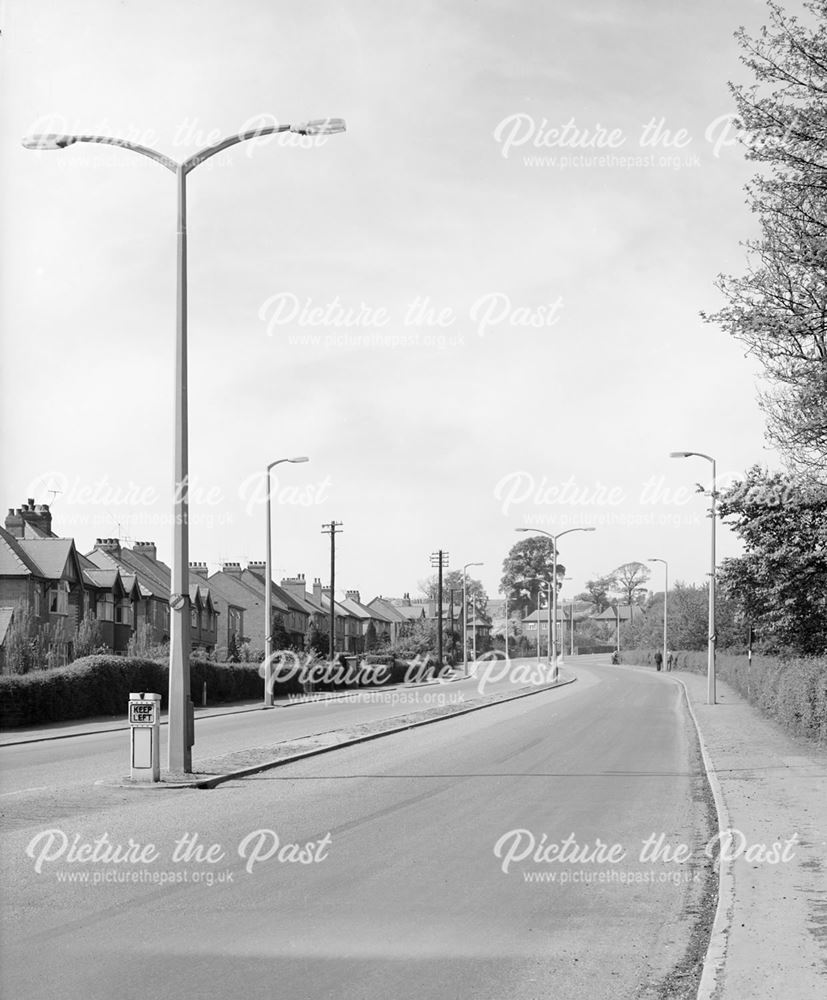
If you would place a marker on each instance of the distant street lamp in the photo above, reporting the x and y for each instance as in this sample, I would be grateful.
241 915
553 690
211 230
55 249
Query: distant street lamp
548 534
465 618
268 589
710 666
180 705
665 602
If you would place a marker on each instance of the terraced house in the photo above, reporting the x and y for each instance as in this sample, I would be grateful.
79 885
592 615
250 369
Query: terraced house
44 579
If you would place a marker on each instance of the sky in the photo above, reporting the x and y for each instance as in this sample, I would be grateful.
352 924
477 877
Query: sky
477 310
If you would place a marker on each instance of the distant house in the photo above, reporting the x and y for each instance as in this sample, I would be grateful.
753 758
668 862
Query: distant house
400 616
622 612
241 594
382 623
153 577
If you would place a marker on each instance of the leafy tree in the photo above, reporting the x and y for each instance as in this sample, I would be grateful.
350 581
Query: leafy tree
279 636
778 309
629 580
419 640
28 644
370 637
527 570
475 592
88 637
142 643
597 592
316 641
780 583
233 655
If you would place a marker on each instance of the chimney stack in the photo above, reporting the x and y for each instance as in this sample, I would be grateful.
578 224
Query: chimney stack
199 569
37 515
148 549
110 545
295 585
231 568
353 595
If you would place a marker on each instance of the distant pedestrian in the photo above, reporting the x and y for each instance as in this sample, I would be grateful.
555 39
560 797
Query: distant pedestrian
658 660
670 660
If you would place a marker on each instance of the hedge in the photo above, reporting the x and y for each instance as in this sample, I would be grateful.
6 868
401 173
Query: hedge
101 685
793 692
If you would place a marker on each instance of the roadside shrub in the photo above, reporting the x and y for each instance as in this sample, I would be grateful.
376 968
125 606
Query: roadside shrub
101 685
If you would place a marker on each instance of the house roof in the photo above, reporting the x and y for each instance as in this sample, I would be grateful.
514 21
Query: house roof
362 611
153 578
13 560
626 612
51 556
242 593
105 579
390 611
288 601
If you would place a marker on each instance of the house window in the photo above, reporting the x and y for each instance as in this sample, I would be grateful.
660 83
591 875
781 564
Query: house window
59 598
106 607
123 613
234 622
193 617
37 601
532 626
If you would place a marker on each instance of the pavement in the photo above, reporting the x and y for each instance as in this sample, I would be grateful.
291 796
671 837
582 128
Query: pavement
769 938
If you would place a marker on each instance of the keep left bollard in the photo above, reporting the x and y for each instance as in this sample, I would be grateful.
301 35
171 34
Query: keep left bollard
145 736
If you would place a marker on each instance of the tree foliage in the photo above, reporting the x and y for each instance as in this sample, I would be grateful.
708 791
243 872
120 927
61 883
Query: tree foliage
279 636
597 592
88 638
780 583
527 570
475 592
27 644
629 580
778 309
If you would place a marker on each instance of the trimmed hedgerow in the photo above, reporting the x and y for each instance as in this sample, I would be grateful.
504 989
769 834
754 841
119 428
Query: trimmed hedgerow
793 692
101 685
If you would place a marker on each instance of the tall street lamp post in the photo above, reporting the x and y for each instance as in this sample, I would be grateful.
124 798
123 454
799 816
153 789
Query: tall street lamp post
548 534
465 616
710 666
665 603
268 588
180 738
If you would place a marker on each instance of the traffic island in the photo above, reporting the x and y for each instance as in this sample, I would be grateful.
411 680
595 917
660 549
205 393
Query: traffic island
241 763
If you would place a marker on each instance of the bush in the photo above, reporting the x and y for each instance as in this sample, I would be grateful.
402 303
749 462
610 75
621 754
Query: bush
101 685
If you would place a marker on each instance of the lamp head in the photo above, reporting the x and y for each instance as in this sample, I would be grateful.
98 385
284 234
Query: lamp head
680 454
300 458
320 126
48 141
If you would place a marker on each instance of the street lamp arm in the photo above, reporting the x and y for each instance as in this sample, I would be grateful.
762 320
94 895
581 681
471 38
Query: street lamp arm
232 140
62 141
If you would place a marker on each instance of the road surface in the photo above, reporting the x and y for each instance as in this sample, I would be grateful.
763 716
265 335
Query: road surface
397 888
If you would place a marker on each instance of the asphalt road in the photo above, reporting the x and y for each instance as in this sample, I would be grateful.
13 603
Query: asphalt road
61 763
406 896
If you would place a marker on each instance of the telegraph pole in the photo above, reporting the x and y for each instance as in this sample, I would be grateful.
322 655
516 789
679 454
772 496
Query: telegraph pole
332 529
439 560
